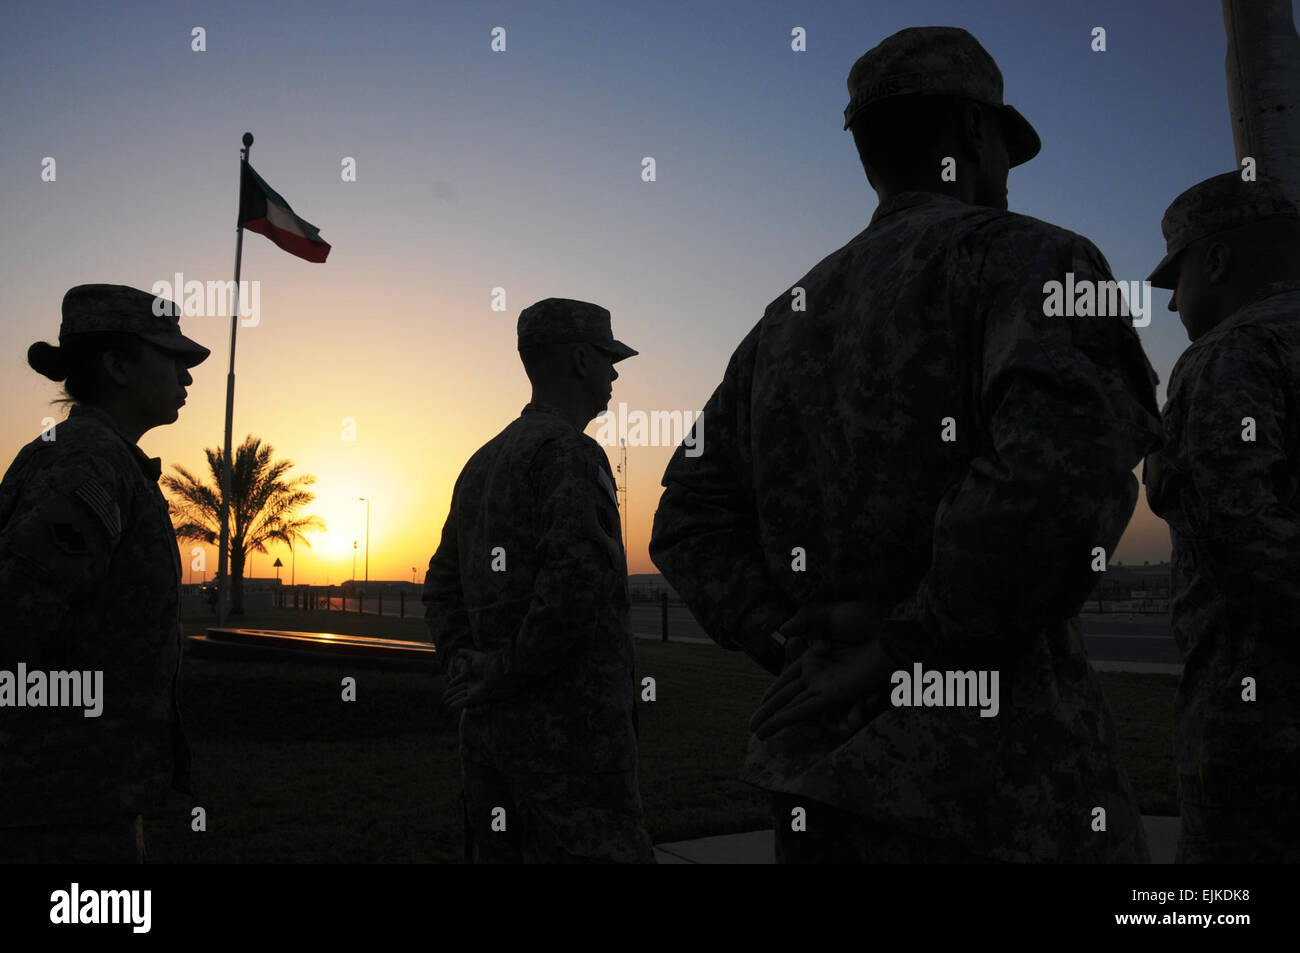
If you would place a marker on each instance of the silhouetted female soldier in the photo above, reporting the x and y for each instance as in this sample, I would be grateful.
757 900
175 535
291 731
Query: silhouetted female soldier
90 734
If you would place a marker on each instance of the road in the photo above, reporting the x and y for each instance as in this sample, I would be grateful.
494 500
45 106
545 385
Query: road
1126 639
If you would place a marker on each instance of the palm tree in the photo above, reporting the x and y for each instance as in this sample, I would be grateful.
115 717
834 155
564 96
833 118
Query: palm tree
262 506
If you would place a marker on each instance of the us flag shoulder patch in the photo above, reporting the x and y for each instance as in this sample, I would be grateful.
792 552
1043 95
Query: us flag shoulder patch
93 494
607 485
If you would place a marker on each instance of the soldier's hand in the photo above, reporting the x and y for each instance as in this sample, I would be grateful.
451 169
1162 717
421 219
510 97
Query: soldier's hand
826 677
475 682
794 647
457 667
845 724
846 621
465 690
465 684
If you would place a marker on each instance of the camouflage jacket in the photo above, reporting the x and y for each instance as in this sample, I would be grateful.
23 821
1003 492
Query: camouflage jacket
531 570
89 581
1228 484
924 437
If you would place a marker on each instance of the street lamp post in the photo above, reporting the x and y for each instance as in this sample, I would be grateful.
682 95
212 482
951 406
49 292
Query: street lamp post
354 562
367 502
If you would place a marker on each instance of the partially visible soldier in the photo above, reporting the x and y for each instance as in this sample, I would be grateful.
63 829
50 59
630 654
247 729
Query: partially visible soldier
89 583
1228 484
528 606
918 466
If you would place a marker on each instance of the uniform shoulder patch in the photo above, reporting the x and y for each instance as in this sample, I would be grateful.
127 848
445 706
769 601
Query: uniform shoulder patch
607 484
101 502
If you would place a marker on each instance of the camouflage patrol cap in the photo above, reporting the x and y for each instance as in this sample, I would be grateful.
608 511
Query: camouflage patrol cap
565 321
937 61
1215 205
90 308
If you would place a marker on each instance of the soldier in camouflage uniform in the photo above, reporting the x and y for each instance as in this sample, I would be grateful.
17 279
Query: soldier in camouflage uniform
527 602
89 581
1228 484
908 461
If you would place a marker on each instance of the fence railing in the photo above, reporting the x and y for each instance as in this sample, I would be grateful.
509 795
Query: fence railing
392 604
1122 601
346 599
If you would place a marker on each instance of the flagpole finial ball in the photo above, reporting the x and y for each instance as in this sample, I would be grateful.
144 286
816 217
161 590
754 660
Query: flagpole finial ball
248 139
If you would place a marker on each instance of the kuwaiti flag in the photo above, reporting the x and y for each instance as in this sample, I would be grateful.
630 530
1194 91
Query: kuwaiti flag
264 210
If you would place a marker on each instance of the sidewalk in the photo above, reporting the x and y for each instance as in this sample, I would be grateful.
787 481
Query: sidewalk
757 847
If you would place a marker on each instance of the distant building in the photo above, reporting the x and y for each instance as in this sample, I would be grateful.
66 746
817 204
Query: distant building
381 585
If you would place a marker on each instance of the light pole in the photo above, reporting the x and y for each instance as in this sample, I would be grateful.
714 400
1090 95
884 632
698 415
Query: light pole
1263 73
354 562
622 470
367 502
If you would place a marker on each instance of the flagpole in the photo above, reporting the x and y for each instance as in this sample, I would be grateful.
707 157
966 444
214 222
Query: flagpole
223 591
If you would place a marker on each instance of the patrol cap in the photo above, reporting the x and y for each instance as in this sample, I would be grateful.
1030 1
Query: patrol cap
1215 205
566 321
938 61
89 308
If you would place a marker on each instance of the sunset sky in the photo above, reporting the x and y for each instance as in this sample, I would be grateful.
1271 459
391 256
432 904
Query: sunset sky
521 170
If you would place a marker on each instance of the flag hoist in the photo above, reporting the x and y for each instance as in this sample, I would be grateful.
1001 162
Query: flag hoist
262 210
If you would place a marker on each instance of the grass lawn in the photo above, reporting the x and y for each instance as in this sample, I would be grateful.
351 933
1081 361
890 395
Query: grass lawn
1143 708
288 772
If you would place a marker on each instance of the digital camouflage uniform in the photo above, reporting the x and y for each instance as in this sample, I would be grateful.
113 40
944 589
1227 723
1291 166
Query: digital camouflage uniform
89 580
1233 508
826 475
825 437
538 501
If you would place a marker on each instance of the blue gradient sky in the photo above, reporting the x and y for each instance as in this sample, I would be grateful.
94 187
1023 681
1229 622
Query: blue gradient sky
522 170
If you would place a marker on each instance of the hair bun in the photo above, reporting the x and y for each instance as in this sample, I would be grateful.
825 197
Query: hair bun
48 360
